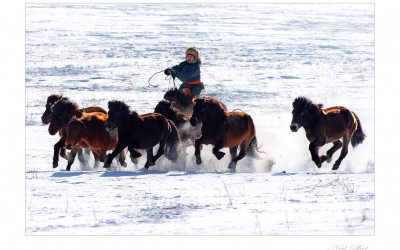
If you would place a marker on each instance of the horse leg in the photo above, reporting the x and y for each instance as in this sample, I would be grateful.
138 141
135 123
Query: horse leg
242 154
63 153
71 157
149 161
96 160
233 152
216 150
197 149
313 147
122 157
160 152
134 154
81 158
57 147
328 158
114 153
346 141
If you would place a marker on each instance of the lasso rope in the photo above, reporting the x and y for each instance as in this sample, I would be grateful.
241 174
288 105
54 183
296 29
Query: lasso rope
166 78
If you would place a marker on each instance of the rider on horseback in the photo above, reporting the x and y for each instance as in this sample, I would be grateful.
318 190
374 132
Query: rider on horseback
188 72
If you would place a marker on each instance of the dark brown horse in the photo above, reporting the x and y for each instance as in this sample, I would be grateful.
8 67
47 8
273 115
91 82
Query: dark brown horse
62 113
324 126
141 132
89 131
222 129
181 120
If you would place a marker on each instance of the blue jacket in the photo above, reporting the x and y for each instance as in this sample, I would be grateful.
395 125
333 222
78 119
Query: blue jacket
187 72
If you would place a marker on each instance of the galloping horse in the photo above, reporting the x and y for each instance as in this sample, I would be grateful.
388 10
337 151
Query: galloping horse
62 113
141 132
181 120
52 99
323 126
222 129
89 130
46 119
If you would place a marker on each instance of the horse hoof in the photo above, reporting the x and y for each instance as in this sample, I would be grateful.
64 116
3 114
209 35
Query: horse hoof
107 165
134 160
328 159
55 165
335 167
124 165
149 164
219 155
232 165
198 161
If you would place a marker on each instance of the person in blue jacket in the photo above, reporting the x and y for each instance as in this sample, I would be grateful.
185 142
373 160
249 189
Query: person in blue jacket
188 72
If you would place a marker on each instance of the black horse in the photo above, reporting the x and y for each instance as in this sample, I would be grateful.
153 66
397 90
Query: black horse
323 126
141 132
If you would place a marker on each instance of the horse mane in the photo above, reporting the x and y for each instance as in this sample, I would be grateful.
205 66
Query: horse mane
52 99
123 109
76 121
304 102
66 106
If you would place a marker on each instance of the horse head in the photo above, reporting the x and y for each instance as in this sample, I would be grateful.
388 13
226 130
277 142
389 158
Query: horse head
166 109
61 114
207 109
199 111
50 102
304 112
74 132
116 111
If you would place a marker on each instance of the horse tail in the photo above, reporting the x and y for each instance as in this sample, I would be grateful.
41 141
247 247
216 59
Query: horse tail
173 142
359 135
254 149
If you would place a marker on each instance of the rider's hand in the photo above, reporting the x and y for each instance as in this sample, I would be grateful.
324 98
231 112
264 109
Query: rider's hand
167 72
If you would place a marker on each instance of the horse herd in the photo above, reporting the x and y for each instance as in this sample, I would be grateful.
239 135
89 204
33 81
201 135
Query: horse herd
179 121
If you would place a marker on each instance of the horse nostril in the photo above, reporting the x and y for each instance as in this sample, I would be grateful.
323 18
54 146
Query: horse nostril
293 128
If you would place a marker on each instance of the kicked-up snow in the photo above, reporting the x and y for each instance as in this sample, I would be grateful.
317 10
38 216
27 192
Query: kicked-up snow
256 58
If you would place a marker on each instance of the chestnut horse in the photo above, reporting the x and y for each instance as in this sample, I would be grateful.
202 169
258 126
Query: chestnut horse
141 132
323 126
89 131
62 113
46 118
222 129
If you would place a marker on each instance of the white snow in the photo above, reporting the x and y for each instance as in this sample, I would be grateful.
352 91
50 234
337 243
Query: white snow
256 57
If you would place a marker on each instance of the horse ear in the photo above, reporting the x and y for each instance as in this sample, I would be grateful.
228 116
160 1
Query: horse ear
77 113
320 106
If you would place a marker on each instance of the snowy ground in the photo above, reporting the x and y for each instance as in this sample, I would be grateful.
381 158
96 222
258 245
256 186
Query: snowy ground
255 57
